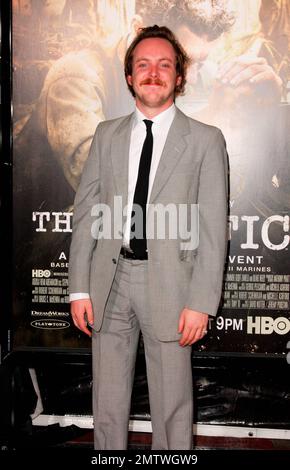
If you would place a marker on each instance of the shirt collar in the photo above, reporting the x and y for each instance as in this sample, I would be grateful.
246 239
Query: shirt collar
160 119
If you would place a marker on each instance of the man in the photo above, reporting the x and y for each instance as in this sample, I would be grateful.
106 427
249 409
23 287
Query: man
162 286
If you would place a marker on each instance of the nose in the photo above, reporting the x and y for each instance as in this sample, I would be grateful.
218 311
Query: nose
201 53
153 71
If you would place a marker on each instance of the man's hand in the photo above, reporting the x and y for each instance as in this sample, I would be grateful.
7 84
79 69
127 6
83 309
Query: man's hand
192 325
82 314
248 69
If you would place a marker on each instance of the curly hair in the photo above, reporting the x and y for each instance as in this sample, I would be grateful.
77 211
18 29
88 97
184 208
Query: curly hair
208 18
182 59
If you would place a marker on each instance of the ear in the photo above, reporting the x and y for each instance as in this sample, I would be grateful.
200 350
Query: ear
136 24
178 80
129 79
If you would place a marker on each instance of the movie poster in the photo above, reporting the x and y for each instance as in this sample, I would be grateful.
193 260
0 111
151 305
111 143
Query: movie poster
68 76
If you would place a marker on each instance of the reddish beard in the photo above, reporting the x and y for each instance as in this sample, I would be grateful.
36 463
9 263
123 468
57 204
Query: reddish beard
152 81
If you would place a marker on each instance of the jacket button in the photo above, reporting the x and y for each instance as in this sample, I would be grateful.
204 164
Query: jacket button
114 260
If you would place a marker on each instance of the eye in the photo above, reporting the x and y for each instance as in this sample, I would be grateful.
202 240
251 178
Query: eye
165 65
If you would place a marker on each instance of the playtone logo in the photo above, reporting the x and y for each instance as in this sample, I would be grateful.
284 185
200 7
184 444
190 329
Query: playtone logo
268 325
48 324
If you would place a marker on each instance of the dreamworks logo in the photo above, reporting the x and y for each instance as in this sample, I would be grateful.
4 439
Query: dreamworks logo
268 325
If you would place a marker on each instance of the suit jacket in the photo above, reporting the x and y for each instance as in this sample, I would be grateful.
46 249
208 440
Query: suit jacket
193 169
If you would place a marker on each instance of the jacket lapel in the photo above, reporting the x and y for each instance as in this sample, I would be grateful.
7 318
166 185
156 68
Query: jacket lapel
120 156
174 147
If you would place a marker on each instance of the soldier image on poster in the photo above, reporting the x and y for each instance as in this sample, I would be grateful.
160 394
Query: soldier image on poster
68 78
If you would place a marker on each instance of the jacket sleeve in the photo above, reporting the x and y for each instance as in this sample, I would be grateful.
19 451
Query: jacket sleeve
206 283
74 109
83 241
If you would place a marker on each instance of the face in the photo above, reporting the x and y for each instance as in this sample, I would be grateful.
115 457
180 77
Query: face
54 7
154 75
198 49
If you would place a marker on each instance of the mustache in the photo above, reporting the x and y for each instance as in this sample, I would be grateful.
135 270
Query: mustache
152 81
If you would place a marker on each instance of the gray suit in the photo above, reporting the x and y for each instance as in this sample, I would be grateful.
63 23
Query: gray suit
192 170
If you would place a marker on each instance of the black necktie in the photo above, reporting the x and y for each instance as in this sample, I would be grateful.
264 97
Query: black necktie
138 242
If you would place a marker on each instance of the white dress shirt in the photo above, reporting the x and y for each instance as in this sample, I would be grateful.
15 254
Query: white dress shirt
160 128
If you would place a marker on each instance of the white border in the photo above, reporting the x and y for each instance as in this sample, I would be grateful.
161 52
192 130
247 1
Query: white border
145 426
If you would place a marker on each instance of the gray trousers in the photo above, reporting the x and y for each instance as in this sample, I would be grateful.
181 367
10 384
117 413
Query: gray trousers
168 365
